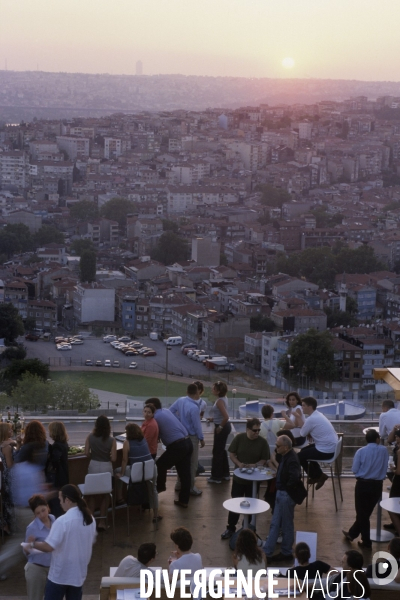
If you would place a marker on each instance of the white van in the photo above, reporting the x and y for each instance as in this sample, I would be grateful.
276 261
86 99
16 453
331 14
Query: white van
173 341
153 336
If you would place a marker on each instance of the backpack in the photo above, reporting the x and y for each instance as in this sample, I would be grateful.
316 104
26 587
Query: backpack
268 434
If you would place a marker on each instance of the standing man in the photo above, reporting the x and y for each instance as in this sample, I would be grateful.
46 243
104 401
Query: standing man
388 419
70 540
246 450
325 439
186 409
178 451
369 467
288 479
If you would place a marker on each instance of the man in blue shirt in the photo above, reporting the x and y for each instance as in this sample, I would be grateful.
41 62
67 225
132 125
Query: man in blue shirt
178 451
186 409
370 467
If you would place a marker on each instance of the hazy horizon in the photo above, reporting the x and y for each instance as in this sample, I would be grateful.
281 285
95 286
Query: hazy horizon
296 39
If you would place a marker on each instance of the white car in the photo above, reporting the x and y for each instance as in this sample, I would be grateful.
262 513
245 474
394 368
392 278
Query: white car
64 347
109 338
107 363
124 338
76 342
133 365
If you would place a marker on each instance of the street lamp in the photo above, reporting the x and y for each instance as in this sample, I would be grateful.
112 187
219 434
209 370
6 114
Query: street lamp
167 349
289 356
233 401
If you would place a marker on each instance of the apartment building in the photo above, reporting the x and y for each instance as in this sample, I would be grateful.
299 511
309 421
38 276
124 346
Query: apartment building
74 146
14 169
93 302
45 314
253 350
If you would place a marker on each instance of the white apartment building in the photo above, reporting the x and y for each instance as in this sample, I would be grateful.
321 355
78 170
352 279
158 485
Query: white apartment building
112 147
93 302
14 169
40 146
253 156
305 130
74 146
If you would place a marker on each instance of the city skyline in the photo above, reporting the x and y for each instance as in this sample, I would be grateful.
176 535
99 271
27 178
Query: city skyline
235 38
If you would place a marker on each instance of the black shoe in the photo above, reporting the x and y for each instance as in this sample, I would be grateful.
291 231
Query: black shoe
347 535
181 504
280 558
389 526
228 533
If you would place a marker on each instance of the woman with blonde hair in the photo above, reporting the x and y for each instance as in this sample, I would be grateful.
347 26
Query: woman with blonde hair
57 463
7 458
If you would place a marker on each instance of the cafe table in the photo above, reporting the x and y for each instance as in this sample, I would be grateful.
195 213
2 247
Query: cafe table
255 506
257 475
391 505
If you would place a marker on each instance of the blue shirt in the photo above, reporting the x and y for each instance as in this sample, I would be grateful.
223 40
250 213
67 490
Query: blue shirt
27 480
170 428
138 451
39 531
187 411
371 462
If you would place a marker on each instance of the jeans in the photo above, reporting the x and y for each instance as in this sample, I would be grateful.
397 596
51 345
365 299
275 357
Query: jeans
220 464
238 490
308 453
58 591
179 454
282 520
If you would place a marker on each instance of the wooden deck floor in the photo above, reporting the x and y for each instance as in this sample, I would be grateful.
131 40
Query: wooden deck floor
206 518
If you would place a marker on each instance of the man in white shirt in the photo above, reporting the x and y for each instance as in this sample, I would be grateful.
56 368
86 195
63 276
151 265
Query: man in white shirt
182 558
70 540
325 439
131 566
389 418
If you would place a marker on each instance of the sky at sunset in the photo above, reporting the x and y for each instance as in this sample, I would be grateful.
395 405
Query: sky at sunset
336 39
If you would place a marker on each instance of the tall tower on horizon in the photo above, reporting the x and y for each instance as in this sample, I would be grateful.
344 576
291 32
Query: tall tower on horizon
139 68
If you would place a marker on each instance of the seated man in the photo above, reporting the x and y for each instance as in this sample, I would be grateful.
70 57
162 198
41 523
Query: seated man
270 426
131 566
325 439
246 450
182 557
388 419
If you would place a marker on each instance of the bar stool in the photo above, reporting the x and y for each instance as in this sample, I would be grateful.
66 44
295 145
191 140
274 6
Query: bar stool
330 462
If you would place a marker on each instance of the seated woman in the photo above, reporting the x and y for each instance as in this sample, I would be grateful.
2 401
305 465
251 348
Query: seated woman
248 556
270 426
303 554
182 557
294 417
37 567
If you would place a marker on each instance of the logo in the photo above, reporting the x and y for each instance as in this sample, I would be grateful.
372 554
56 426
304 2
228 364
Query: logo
384 568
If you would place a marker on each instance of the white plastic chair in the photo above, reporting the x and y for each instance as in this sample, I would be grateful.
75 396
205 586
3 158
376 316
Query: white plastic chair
98 484
144 471
330 462
310 538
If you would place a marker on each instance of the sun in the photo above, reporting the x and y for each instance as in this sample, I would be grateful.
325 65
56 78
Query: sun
288 63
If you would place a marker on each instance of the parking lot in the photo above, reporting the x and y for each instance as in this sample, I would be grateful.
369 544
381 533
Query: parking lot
95 349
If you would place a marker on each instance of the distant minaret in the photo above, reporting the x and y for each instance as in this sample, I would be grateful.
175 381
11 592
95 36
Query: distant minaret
343 294
139 68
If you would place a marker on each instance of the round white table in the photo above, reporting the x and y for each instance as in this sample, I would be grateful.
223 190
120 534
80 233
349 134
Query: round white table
371 427
256 507
391 505
377 535
255 476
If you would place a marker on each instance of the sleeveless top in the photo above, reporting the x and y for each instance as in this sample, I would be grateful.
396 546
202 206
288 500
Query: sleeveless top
138 451
100 450
216 413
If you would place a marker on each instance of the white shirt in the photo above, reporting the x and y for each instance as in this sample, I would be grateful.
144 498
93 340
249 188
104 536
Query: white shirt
188 561
72 542
387 420
129 567
321 431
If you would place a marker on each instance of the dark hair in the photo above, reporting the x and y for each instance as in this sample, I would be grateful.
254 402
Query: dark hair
133 432
397 433
182 538
74 495
302 552
371 436
310 401
37 500
251 422
388 404
246 545
394 547
355 559
35 433
151 407
296 395
57 432
200 386
102 427
267 411
192 389
288 434
156 402
221 388
146 552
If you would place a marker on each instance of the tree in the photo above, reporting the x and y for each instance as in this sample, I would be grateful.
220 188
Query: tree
78 246
48 234
85 210
261 323
312 354
272 196
169 225
71 394
87 266
9 243
360 260
14 372
337 318
14 353
31 391
325 220
11 325
23 235
117 209
170 249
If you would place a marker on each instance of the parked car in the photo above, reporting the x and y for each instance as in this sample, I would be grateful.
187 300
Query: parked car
107 363
115 363
99 363
88 363
130 352
124 338
32 337
185 349
109 338
76 342
64 347
133 365
150 353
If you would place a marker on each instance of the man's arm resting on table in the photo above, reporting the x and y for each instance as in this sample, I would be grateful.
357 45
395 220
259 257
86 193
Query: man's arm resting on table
235 460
